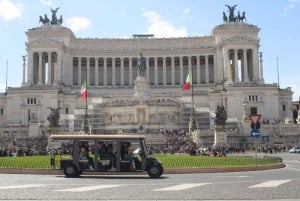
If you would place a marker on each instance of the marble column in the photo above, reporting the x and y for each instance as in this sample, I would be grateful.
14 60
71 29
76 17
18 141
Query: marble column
122 71
181 70
155 71
255 65
40 68
96 72
236 69
49 81
24 69
130 71
198 70
189 64
164 71
105 71
173 70
30 67
206 69
245 66
229 67
261 67
88 73
79 70
113 71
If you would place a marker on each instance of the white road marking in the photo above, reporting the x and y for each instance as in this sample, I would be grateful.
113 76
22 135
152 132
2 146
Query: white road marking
87 188
181 187
21 186
269 184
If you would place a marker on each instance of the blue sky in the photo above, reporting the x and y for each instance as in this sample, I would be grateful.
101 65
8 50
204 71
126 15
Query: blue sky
278 20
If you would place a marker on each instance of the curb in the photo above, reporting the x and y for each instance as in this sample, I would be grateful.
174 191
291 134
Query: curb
166 171
222 169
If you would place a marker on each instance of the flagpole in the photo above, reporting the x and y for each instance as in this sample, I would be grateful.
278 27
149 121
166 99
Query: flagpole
192 91
192 124
86 126
6 77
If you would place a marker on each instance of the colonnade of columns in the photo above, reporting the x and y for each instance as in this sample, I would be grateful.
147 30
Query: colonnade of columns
42 68
242 65
110 71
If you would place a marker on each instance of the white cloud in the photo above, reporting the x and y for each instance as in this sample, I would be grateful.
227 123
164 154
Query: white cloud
291 5
186 11
47 2
161 28
78 23
9 10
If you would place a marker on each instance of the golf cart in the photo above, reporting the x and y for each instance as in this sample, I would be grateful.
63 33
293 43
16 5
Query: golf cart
76 164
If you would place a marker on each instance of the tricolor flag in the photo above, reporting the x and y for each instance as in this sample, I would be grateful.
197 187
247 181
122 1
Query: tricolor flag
83 90
188 83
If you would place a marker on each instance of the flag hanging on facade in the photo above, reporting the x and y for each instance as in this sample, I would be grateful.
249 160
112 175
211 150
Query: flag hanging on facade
84 90
188 83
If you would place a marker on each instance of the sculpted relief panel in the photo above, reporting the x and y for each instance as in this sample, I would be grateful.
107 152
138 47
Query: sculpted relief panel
141 118
118 118
164 118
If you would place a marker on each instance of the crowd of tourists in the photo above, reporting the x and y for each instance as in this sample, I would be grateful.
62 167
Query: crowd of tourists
175 141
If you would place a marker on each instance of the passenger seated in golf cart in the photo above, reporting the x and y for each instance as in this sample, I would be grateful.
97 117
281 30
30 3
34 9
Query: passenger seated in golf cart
109 155
127 154
84 154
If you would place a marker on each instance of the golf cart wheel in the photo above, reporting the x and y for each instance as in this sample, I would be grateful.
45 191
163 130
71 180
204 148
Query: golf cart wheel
155 171
71 171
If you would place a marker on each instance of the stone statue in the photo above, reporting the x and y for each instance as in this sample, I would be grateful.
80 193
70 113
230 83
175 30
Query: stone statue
295 116
24 59
45 20
60 20
54 17
242 17
225 19
141 65
53 118
221 116
231 12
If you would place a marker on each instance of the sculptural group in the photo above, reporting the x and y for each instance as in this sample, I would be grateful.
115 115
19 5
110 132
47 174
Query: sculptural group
221 115
232 17
54 20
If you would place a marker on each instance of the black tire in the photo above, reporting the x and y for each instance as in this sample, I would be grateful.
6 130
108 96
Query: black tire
155 171
71 171
79 173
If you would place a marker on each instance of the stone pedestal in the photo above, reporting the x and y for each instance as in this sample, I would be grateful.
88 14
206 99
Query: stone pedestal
141 88
34 130
220 136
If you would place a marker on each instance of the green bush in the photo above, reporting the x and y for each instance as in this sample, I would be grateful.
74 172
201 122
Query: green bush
186 161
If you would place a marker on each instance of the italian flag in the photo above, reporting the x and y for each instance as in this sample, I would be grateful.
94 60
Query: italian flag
83 90
188 82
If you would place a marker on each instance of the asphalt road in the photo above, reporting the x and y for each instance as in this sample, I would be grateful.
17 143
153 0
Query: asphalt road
278 184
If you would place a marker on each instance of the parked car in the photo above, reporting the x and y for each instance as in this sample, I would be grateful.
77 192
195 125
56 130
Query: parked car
295 149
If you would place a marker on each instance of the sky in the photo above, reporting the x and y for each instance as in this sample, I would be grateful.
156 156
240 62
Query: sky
278 22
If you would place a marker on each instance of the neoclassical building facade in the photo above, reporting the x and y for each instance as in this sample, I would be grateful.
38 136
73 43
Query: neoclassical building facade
227 70
112 62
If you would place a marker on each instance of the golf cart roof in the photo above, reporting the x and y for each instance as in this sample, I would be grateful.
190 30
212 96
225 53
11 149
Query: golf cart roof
119 137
